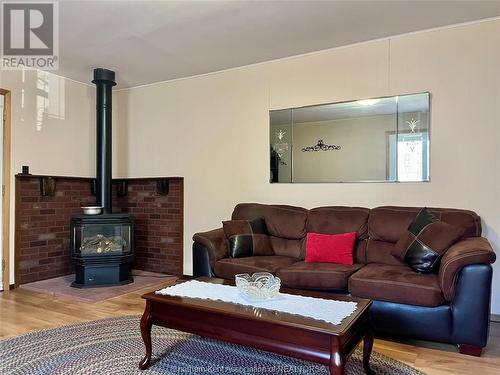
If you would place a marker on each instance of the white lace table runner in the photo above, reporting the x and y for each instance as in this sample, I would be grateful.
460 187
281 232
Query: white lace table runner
328 310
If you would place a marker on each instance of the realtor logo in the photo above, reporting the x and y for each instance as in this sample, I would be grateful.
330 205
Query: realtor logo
29 35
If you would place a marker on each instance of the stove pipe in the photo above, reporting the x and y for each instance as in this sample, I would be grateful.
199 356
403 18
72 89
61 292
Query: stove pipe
104 80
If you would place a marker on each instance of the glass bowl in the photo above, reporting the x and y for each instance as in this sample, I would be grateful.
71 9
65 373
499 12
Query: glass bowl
258 287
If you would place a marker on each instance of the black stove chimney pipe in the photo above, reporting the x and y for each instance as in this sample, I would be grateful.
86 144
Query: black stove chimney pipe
104 80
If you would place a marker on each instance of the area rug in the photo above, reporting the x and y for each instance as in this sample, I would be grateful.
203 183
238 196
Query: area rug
114 346
60 287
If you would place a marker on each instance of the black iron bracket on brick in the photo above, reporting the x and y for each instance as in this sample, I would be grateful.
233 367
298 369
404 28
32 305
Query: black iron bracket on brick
163 186
47 186
121 187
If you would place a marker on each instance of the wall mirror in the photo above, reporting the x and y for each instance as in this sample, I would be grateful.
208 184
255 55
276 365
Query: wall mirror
374 140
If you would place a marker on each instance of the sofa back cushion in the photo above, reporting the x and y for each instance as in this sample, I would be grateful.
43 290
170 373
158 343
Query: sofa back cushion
387 224
281 221
381 252
289 248
390 223
286 225
339 219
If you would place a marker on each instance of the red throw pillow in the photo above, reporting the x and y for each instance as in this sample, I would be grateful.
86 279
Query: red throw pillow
330 248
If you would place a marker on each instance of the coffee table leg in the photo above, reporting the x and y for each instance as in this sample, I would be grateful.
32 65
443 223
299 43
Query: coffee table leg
146 324
337 359
367 351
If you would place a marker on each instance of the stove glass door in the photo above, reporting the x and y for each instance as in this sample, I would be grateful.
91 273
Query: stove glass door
105 239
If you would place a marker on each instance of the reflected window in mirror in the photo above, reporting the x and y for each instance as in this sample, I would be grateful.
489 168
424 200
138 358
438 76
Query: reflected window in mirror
372 140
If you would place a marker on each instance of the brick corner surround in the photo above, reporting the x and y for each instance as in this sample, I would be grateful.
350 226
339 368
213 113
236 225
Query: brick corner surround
42 225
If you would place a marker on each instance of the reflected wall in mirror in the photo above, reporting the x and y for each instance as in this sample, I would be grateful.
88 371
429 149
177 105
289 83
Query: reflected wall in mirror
372 140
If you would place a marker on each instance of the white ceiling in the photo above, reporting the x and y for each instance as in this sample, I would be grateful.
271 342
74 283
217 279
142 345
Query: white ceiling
151 41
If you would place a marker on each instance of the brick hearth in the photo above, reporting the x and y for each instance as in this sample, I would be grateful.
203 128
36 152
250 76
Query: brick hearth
42 225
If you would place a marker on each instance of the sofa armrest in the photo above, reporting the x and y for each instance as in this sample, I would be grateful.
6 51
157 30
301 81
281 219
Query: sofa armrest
474 250
215 242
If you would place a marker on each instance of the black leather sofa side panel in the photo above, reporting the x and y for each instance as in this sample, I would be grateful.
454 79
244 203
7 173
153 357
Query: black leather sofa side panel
426 323
471 306
201 261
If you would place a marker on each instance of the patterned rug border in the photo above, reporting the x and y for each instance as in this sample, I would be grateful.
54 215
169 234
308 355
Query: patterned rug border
184 350
64 326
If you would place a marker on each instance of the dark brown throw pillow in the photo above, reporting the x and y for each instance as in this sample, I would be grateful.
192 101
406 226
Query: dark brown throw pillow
426 241
247 238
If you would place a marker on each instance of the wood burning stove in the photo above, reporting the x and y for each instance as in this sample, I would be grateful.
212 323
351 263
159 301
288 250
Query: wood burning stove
102 246
102 249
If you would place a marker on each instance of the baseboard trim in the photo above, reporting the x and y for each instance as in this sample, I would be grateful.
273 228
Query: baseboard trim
495 318
11 286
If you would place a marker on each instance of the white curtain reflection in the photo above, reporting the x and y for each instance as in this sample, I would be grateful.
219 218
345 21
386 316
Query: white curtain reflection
50 98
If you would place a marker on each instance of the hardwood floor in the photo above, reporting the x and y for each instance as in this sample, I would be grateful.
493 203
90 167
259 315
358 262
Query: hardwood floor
22 311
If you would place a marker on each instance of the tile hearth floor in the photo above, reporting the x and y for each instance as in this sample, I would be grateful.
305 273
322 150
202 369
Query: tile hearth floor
60 287
22 311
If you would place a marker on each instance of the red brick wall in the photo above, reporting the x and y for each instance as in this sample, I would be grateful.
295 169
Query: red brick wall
158 224
42 225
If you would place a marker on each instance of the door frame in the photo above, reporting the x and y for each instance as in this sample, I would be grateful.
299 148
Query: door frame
6 190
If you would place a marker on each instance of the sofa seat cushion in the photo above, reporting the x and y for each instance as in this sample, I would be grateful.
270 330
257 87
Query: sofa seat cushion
227 268
328 276
398 284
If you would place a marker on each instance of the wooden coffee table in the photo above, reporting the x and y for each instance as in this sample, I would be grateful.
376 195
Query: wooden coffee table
291 335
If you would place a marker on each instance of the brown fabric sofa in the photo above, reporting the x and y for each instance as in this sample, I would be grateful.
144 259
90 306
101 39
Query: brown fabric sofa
398 292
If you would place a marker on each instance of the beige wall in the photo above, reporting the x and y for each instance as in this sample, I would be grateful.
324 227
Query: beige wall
214 129
52 123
